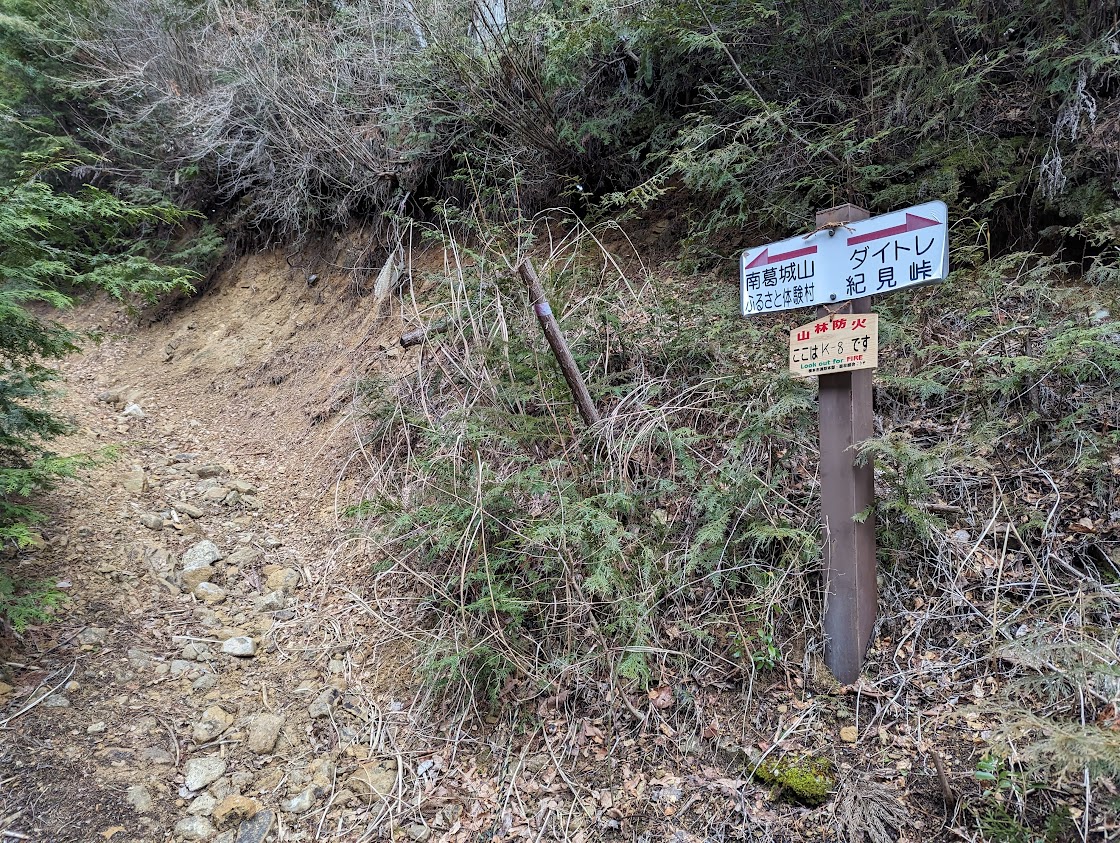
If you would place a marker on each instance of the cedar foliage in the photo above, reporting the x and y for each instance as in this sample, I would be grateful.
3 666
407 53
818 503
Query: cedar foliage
1006 111
58 238
297 117
52 246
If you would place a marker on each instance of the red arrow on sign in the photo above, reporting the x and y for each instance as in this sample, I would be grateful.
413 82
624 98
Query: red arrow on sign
913 223
765 259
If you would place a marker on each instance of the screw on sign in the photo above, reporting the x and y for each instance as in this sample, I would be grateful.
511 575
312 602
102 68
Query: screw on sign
838 267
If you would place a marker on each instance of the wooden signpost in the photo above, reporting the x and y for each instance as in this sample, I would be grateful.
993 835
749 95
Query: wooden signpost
839 267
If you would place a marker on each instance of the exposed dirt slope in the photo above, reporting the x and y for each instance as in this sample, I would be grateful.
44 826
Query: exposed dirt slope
127 721
240 444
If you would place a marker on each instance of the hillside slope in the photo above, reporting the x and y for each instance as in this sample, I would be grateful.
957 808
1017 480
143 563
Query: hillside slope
239 444
410 678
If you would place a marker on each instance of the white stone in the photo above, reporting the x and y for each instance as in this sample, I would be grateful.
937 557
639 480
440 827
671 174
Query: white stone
194 828
209 593
241 645
202 771
274 601
203 805
203 553
299 803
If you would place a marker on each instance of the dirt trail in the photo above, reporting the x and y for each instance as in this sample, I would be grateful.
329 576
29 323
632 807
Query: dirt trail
220 674
129 719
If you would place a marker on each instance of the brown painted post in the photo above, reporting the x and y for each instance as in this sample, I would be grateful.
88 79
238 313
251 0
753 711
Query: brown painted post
846 419
560 348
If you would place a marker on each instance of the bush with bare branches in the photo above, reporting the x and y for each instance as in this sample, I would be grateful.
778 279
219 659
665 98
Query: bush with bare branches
300 119
297 120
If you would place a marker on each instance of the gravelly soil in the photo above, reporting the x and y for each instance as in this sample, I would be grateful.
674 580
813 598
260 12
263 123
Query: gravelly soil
135 658
249 424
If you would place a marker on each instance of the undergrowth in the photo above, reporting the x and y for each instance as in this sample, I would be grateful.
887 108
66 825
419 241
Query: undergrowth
552 554
290 119
53 246
679 537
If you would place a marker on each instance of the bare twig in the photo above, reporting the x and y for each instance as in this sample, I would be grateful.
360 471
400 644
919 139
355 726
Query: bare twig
947 792
39 699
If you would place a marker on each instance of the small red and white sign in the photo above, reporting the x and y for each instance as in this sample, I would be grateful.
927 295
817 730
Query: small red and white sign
841 342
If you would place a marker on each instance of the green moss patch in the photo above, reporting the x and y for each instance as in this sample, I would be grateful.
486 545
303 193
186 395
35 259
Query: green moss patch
808 779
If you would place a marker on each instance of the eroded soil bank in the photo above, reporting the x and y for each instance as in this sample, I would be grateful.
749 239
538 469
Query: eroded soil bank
212 661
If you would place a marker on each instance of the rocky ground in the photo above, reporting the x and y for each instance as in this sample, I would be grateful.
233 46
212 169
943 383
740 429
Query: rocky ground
210 678
224 669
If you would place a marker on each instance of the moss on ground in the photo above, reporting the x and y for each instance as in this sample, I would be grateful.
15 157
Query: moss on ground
808 779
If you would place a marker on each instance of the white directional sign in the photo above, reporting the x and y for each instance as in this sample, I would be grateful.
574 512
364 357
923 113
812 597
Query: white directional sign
848 261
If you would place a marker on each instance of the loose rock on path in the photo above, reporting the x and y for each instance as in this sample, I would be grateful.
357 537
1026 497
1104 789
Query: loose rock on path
170 700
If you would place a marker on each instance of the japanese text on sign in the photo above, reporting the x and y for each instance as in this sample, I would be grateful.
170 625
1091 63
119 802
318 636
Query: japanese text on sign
856 259
839 343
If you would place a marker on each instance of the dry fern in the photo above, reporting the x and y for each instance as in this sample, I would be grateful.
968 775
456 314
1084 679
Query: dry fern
867 809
